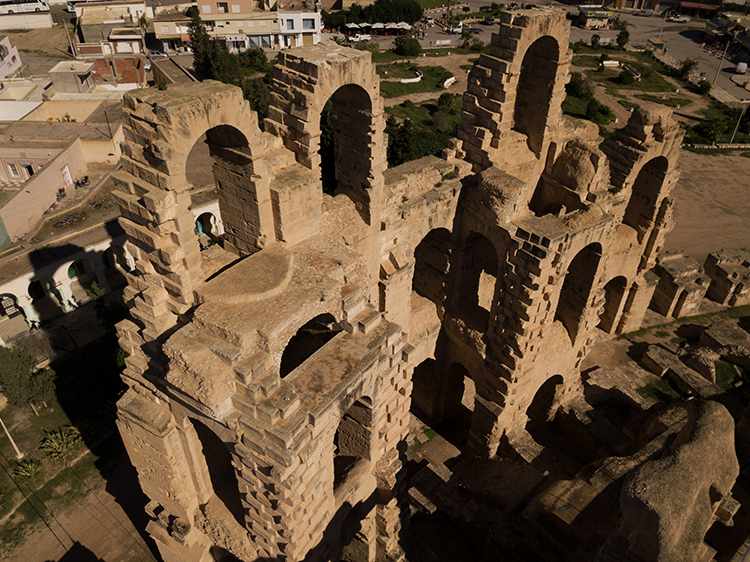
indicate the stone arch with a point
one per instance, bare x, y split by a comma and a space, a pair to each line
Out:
614, 293
431, 265
308, 339
642, 205
206, 223
82, 270
575, 293
221, 472
308, 78
46, 298
534, 90
477, 278
353, 439
542, 407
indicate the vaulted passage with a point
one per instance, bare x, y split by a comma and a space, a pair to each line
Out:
534, 92
479, 269
614, 291
641, 208
541, 408
353, 439
431, 265
576, 289
220, 470
308, 339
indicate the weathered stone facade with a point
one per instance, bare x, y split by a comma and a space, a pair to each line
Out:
268, 404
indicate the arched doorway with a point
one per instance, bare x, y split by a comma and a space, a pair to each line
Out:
576, 289
345, 146
82, 276
220, 470
353, 440
614, 291
478, 277
308, 339
543, 407
431, 265
534, 90
115, 263
46, 298
641, 209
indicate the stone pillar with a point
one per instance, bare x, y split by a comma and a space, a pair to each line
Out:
67, 296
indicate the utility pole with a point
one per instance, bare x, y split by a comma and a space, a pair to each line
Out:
721, 61
737, 126
662, 25
19, 454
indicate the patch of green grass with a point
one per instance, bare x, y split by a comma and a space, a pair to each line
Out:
586, 61
628, 104
725, 375
659, 390
650, 82
433, 79
466, 67
669, 102
397, 70
575, 106
418, 113
715, 110
387, 56
661, 334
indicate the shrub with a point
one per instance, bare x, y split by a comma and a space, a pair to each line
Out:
370, 46
447, 104
686, 67
476, 45
712, 129
59, 444
580, 86
623, 38
27, 469
595, 40
625, 77
703, 88
407, 47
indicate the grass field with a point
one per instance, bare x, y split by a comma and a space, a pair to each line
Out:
433, 79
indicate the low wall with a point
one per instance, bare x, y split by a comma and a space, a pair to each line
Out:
28, 20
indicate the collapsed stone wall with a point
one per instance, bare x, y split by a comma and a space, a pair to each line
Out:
492, 265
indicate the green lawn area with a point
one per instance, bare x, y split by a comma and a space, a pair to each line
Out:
650, 82
669, 102
432, 81
420, 114
397, 70
586, 61
628, 104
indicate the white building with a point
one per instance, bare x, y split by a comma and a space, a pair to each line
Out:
299, 28
10, 61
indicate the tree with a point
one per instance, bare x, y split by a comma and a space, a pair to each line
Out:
712, 129
623, 38
447, 103
595, 39
703, 88
625, 77
580, 86
686, 67
407, 46
17, 371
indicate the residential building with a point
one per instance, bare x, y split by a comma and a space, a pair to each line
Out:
10, 61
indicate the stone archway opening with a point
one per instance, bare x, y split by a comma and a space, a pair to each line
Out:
352, 442
431, 265
115, 263
534, 91
308, 339
46, 299
641, 209
543, 406
576, 289
220, 470
478, 277
614, 291
345, 146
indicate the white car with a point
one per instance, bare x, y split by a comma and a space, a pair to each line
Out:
157, 55
678, 19
360, 37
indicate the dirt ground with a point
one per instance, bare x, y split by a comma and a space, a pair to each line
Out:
50, 41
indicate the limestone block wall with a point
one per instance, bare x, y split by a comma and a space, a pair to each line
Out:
729, 271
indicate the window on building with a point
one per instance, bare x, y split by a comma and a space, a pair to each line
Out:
165, 29
236, 8
13, 170
263, 23
222, 7
240, 24
251, 24
206, 9
308, 23
290, 24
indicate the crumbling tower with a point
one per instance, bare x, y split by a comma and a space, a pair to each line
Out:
268, 403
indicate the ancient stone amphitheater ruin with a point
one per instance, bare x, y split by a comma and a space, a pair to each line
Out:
268, 401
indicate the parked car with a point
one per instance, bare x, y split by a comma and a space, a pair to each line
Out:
360, 37
489, 20
647, 13
429, 20
741, 68
157, 55
679, 19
